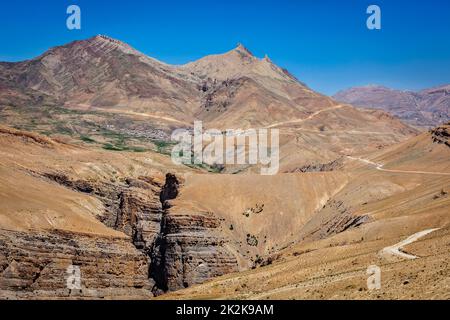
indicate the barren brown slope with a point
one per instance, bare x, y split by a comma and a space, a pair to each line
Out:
32, 197
103, 211
335, 267
64, 205
29, 203
260, 214
101, 72
429, 151
46, 227
374, 210
340, 130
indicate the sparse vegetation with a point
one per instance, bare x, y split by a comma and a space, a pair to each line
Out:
87, 126
441, 194
252, 240
163, 147
212, 169
110, 147
87, 139
254, 210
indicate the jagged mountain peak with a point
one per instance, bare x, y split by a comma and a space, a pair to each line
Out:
241, 49
101, 46
106, 38
102, 72
108, 44
236, 63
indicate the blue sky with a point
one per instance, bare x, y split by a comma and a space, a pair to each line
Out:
325, 43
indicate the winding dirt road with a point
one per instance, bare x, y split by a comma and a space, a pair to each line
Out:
395, 249
379, 167
277, 124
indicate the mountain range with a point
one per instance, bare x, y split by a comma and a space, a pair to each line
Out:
134, 94
87, 181
105, 73
423, 109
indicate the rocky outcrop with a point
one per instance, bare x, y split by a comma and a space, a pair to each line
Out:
170, 190
219, 95
441, 135
320, 167
36, 265
28, 136
334, 218
343, 222
183, 246
108, 193
189, 249
140, 213
132, 207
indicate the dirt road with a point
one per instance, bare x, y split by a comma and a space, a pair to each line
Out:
380, 168
395, 249
277, 124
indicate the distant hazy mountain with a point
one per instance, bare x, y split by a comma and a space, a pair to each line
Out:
424, 108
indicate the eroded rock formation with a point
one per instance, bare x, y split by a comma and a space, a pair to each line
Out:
35, 265
168, 247
441, 135
189, 249
320, 167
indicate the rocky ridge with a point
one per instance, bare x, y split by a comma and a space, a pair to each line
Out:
426, 108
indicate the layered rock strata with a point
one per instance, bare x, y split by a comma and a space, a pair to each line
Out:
189, 249
168, 247
39, 265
